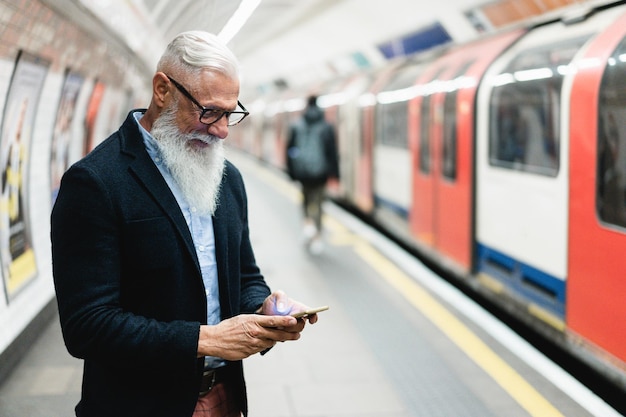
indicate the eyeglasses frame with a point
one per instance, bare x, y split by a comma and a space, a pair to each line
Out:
204, 110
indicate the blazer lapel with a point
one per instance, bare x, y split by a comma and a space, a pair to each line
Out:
220, 232
144, 170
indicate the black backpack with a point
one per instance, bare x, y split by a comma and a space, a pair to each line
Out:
307, 156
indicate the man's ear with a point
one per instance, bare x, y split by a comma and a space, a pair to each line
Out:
160, 88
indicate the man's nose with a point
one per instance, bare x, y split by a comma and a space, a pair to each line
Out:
219, 128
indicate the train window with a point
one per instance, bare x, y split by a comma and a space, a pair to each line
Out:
524, 128
392, 116
611, 154
425, 122
449, 145
392, 124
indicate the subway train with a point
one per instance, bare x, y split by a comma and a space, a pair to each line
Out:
501, 161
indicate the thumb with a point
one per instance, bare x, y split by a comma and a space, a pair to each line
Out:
281, 303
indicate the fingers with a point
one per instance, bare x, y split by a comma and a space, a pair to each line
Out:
255, 338
263, 332
276, 328
312, 318
276, 321
244, 335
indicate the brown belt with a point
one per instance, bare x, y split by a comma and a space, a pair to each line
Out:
211, 378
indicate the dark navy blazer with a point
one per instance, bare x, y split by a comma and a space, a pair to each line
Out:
128, 283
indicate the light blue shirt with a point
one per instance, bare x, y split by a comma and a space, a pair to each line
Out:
201, 228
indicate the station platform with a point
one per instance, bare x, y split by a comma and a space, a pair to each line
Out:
397, 341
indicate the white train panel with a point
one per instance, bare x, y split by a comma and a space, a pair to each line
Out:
392, 178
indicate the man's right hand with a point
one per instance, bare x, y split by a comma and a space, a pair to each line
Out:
242, 336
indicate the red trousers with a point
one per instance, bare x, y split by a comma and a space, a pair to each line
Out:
219, 402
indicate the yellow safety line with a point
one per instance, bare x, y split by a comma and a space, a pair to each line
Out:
517, 387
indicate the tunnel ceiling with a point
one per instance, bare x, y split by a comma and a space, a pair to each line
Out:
289, 40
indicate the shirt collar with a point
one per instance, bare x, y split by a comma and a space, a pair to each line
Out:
148, 139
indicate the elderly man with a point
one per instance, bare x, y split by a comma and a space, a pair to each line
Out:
156, 280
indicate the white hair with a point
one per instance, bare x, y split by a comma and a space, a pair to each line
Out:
197, 50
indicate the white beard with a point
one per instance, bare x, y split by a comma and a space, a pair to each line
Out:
198, 172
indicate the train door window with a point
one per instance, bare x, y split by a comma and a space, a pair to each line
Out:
611, 154
425, 122
392, 117
450, 105
524, 125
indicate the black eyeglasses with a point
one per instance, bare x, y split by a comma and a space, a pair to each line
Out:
210, 116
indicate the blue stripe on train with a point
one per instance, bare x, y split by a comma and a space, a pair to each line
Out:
402, 212
528, 283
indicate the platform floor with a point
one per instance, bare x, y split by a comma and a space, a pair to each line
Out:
396, 342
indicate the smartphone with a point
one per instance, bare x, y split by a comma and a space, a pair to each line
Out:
310, 311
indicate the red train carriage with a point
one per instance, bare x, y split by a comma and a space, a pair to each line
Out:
596, 289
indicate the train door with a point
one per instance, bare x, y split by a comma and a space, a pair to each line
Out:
349, 133
452, 165
522, 168
443, 126
391, 157
454, 145
596, 287
421, 125
363, 189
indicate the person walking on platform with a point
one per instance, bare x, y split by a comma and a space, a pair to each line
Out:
312, 160
156, 281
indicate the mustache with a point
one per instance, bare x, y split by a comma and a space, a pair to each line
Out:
208, 139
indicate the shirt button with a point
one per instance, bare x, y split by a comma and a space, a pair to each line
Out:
201, 248
193, 209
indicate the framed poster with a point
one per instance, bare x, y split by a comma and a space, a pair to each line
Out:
17, 257
60, 155
92, 114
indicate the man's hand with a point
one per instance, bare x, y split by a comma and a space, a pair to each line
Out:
244, 335
279, 304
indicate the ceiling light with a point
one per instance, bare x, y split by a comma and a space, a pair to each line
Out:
238, 19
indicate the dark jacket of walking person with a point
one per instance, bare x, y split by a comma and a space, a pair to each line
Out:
312, 159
